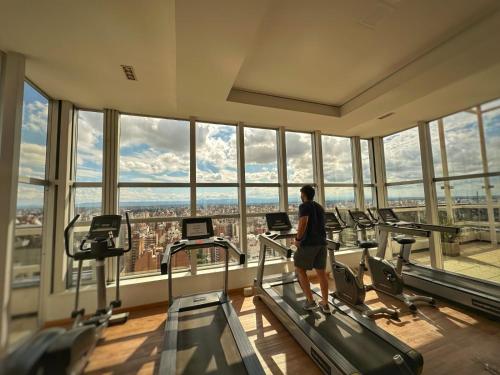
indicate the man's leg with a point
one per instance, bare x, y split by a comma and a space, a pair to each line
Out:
304, 282
323, 282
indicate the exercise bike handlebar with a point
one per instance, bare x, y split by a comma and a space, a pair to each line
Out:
343, 224
66, 235
129, 233
372, 217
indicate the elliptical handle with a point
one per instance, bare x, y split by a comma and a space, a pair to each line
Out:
66, 235
372, 217
129, 233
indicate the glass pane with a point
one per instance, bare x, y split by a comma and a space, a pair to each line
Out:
495, 195
402, 156
294, 200
411, 195
26, 259
261, 155
489, 105
436, 148
255, 226
299, 159
368, 193
491, 123
28, 235
89, 146
462, 144
215, 153
337, 159
154, 149
216, 201
227, 228
33, 134
88, 266
88, 203
149, 240
262, 199
341, 197
365, 161
155, 202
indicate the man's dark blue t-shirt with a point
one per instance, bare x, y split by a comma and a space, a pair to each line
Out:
315, 232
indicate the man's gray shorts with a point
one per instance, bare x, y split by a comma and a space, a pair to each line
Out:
309, 257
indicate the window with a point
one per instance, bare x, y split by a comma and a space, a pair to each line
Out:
153, 149
299, 159
216, 153
154, 152
30, 211
261, 155
402, 156
337, 159
31, 189
368, 189
464, 201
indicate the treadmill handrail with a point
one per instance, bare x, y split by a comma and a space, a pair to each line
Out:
268, 241
404, 230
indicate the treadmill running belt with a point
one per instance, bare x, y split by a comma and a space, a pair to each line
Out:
365, 350
205, 343
459, 281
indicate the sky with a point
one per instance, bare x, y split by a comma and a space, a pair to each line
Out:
157, 150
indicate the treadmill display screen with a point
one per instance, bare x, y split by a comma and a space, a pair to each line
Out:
278, 221
102, 225
197, 228
331, 221
388, 215
360, 217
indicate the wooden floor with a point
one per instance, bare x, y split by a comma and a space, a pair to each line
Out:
452, 340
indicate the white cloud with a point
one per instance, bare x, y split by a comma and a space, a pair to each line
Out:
337, 159
299, 157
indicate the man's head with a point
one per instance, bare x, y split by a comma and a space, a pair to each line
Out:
307, 193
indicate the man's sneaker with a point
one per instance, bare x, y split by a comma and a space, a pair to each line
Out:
325, 308
310, 305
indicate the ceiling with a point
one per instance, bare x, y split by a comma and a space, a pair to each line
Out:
329, 65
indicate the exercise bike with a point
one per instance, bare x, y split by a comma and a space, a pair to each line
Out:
98, 245
385, 277
349, 287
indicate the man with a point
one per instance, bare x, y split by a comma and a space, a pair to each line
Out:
311, 248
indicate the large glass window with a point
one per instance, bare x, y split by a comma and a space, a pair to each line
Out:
216, 153
261, 156
368, 189
299, 158
402, 156
337, 159
491, 121
153, 149
29, 231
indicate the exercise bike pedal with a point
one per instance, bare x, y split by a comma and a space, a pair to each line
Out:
116, 304
77, 313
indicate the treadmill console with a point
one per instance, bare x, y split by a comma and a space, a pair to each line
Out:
102, 225
360, 218
388, 215
278, 222
331, 222
197, 228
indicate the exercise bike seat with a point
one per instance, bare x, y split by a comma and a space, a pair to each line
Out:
403, 240
367, 244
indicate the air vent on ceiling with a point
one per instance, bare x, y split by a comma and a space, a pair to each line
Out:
386, 115
129, 72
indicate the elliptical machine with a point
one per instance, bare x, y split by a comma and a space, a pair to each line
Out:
385, 277
349, 285
101, 238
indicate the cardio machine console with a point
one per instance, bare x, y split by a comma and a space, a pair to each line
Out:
331, 222
102, 225
388, 215
197, 228
361, 218
278, 222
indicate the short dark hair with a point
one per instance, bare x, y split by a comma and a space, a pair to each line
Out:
309, 191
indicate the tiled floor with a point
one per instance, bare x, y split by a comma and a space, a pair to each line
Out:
476, 259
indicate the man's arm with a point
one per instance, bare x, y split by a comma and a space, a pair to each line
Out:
301, 230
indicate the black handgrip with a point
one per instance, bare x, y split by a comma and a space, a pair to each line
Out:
242, 258
129, 235
371, 215
66, 235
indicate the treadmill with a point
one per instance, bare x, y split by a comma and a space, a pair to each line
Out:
203, 334
342, 343
477, 294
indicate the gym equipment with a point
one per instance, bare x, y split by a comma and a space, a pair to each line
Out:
384, 275
349, 286
337, 343
203, 333
101, 238
479, 295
